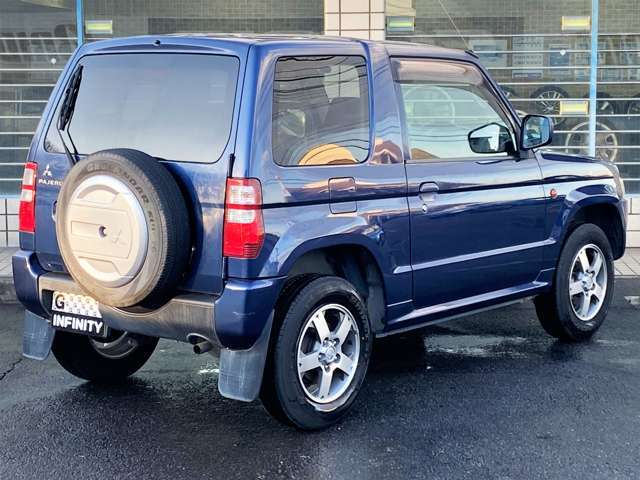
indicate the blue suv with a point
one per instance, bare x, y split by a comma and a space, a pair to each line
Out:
282, 201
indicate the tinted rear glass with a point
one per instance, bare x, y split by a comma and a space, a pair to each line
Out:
320, 111
171, 106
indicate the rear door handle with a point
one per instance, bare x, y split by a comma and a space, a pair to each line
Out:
342, 195
428, 191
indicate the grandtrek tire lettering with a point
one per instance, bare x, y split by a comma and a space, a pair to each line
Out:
143, 196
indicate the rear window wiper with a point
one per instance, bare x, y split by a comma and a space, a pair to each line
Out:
66, 113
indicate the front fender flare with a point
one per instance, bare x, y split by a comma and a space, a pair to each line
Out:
574, 202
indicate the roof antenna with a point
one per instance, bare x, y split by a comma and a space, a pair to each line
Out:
455, 26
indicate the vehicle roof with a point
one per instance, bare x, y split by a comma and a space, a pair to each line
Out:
213, 40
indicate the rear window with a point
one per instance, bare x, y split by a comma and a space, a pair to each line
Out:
171, 106
320, 111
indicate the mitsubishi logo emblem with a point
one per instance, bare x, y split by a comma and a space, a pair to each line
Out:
46, 178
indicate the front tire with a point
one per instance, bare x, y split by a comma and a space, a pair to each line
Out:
583, 288
106, 360
319, 356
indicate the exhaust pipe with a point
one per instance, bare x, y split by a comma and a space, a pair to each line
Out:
202, 347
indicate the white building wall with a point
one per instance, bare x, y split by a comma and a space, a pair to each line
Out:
355, 18
9, 221
633, 227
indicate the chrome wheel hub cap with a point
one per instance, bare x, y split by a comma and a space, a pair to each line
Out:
588, 282
327, 353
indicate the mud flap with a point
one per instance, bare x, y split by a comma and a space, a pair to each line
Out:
241, 371
37, 337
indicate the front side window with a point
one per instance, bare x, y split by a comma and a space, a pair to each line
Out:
320, 111
170, 106
446, 103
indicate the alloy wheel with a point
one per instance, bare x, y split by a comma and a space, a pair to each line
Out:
588, 282
327, 353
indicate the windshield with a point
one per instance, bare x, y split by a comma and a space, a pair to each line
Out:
171, 106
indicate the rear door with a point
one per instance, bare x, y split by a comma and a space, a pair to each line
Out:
477, 221
176, 106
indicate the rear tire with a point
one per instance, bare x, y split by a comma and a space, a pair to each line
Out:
78, 355
572, 310
340, 356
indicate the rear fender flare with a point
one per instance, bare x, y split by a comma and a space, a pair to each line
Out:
368, 243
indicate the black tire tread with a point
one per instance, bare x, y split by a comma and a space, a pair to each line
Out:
552, 309
76, 355
270, 395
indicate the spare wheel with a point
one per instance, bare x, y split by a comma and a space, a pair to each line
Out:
123, 228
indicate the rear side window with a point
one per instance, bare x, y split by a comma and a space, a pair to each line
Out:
320, 111
171, 106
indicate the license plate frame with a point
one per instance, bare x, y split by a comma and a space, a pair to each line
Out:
76, 313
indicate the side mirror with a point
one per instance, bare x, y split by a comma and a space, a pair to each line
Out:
537, 131
490, 138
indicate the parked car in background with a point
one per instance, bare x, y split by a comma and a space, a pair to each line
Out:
282, 201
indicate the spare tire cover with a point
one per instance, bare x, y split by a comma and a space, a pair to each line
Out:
123, 228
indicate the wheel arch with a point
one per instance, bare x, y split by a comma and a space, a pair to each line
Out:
353, 261
604, 212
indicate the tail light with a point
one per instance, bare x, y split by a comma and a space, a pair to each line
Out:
27, 212
243, 225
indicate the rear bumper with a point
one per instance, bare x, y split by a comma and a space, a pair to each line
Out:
238, 323
185, 317
235, 320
